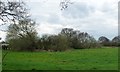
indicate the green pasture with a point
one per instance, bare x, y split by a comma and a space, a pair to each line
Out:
80, 59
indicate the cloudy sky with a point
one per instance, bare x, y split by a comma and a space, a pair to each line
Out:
97, 17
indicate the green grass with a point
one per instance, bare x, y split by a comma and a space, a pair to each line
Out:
0, 60
84, 59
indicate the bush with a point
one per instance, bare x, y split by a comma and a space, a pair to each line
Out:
54, 43
23, 44
85, 41
60, 43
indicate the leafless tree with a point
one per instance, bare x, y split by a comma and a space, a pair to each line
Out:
12, 11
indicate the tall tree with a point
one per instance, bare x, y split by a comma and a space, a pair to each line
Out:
24, 31
11, 12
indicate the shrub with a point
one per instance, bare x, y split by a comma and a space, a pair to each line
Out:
23, 44
54, 43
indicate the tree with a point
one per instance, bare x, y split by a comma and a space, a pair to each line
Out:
12, 32
116, 41
78, 39
68, 33
58, 43
12, 11
54, 43
84, 40
22, 36
104, 41
44, 41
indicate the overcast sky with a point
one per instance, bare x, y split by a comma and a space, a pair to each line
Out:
97, 17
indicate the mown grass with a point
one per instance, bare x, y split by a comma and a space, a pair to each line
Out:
84, 59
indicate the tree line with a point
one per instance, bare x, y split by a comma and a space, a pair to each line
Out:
67, 39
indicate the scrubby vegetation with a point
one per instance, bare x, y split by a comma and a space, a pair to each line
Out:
66, 39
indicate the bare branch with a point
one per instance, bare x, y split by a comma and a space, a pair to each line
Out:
64, 4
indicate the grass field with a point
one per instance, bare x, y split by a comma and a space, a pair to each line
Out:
84, 59
0, 60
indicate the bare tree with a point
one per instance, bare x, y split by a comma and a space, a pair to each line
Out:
11, 11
